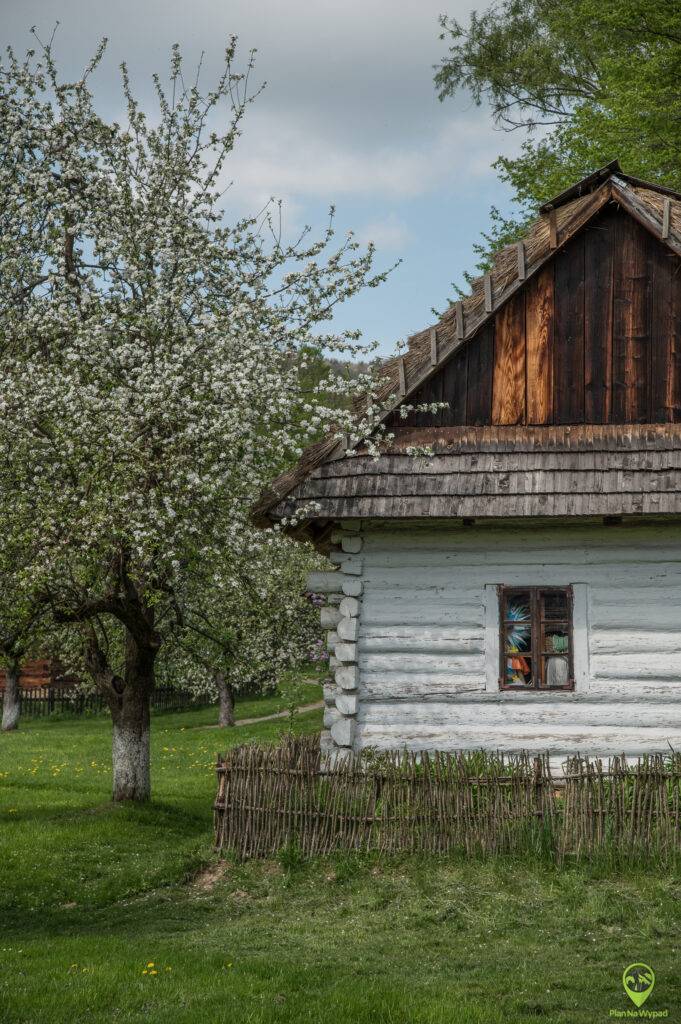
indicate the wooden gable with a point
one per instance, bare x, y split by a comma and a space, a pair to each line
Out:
594, 336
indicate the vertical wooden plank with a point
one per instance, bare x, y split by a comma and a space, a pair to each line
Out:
480, 375
402, 375
599, 241
489, 299
432, 391
553, 230
508, 389
631, 327
454, 384
433, 346
674, 369
539, 335
522, 270
429, 392
666, 217
460, 324
568, 334
661, 264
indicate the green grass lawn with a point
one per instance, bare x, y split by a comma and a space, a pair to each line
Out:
92, 894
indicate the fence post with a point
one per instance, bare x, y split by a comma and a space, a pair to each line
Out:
538, 790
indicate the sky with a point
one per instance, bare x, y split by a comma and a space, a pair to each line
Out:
349, 116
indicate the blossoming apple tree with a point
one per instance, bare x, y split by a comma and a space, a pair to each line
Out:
152, 366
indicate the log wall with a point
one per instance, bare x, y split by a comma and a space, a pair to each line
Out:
593, 337
423, 658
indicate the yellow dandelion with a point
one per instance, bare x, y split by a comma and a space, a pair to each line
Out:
145, 972
153, 972
150, 964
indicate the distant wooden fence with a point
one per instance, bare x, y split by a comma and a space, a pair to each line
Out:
270, 798
39, 701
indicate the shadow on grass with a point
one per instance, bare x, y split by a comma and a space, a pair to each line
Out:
180, 820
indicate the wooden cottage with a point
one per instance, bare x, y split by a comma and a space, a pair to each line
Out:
521, 587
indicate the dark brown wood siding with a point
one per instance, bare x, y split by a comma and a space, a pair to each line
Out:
593, 337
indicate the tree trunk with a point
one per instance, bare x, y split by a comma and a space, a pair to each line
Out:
226, 694
11, 705
130, 748
130, 712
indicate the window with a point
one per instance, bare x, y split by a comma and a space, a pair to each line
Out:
536, 638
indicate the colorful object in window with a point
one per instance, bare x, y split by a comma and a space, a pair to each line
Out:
518, 635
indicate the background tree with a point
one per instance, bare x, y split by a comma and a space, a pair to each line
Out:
24, 622
588, 81
153, 358
248, 623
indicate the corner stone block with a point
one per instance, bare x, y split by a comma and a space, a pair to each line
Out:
346, 652
348, 629
347, 703
329, 617
332, 716
326, 744
349, 607
352, 544
352, 588
347, 677
325, 582
343, 731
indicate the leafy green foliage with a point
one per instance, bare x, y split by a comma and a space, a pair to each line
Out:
587, 81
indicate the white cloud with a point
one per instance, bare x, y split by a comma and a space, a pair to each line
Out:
350, 106
279, 157
389, 233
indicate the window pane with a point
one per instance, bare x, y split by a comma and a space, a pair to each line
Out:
556, 671
518, 671
518, 606
554, 604
519, 637
556, 638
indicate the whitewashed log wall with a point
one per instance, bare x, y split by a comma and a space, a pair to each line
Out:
414, 635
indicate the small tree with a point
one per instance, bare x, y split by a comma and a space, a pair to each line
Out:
246, 625
153, 373
23, 612
21, 617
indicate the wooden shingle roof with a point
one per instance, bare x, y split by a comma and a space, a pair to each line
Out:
503, 472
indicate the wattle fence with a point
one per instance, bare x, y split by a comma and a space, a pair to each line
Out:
67, 699
292, 796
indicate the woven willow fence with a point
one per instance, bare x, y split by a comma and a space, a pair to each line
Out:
270, 798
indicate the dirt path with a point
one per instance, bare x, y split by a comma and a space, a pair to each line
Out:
268, 718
